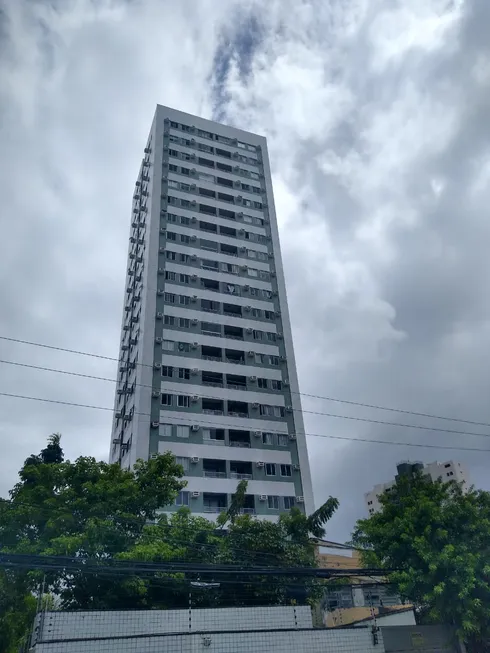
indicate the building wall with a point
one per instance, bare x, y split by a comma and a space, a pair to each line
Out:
171, 252
445, 471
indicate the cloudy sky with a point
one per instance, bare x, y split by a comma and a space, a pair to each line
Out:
377, 117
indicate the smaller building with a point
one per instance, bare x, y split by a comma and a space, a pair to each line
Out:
445, 471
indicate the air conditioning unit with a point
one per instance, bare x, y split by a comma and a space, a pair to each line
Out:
157, 366
279, 335
154, 455
163, 230
147, 150
278, 313
194, 370
255, 405
300, 499
194, 459
296, 468
193, 238
251, 353
118, 415
248, 308
194, 298
195, 320
160, 292
246, 287
195, 427
155, 393
273, 274
194, 495
253, 379
195, 397
159, 316
194, 257
292, 436
258, 434
286, 383
270, 255
195, 345
155, 425
249, 330
274, 293
263, 497
283, 359
161, 270
237, 183
158, 340
260, 464
289, 409
242, 249
194, 203
244, 267
194, 277
162, 250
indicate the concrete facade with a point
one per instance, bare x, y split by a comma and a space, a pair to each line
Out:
207, 368
445, 471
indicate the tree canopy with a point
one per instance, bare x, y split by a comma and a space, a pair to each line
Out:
437, 538
98, 511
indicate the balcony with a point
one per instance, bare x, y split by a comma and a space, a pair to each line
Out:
239, 443
239, 438
214, 502
212, 358
235, 361
247, 511
241, 477
213, 384
210, 411
215, 509
211, 474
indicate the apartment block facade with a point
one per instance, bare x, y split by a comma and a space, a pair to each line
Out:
207, 367
445, 471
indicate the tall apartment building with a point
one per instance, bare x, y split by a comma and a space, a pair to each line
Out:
207, 366
447, 471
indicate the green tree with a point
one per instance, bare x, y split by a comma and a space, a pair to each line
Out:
437, 538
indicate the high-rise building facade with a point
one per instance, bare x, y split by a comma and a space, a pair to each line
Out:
207, 366
446, 471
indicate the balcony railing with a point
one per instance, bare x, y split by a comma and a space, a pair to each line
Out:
216, 509
212, 358
211, 333
235, 361
210, 474
210, 310
209, 267
240, 476
211, 411
232, 313
236, 386
213, 384
212, 441
228, 335
236, 414
238, 443
247, 511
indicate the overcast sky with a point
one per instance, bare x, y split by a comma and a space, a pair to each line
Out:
377, 118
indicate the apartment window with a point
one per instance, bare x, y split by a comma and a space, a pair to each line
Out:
170, 276
230, 268
168, 345
272, 411
184, 323
258, 334
224, 153
174, 125
166, 430
256, 312
184, 278
225, 197
370, 503
209, 210
447, 465
185, 239
246, 202
173, 184
224, 167
182, 431
173, 168
183, 401
169, 320
269, 315
225, 213
173, 152
184, 373
184, 346
262, 383
265, 276
271, 336
184, 258
171, 235
252, 272
204, 134
273, 503
276, 385
273, 360
232, 289
259, 358
270, 469
268, 438
184, 300
169, 298
166, 399
285, 470
450, 474
182, 498
257, 205
205, 148
183, 461
224, 182
167, 371
209, 244
289, 503
171, 217
282, 440
205, 192
205, 162
170, 256
210, 327
185, 171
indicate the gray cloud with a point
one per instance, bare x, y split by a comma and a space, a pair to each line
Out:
376, 115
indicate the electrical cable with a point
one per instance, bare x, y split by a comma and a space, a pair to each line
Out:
234, 426
326, 398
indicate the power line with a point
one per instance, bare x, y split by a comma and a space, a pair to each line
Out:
190, 394
325, 398
317, 435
